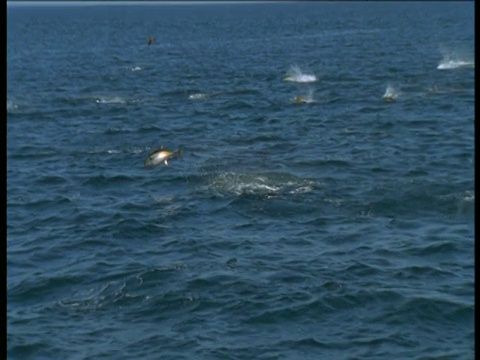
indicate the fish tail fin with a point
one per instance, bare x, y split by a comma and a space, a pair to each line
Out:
147, 162
180, 151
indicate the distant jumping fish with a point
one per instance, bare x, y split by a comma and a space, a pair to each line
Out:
162, 155
390, 94
300, 100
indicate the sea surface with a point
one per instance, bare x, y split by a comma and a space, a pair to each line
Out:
322, 206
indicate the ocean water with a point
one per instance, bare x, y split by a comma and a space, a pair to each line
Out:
322, 208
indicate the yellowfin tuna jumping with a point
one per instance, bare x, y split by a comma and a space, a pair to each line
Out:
162, 155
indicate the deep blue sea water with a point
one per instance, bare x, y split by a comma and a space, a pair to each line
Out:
331, 219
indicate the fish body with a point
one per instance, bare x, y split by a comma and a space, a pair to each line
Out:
162, 155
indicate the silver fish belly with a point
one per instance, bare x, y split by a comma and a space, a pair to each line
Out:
161, 155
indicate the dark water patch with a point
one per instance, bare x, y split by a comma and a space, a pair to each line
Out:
326, 163
439, 247
108, 180
240, 92
362, 270
34, 152
248, 138
51, 180
42, 205
361, 299
423, 310
30, 349
370, 110
415, 198
422, 272
34, 290
136, 230
239, 105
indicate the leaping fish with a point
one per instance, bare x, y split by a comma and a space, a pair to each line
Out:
162, 155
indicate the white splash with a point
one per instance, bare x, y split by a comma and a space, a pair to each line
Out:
295, 74
469, 196
454, 59
136, 68
390, 93
11, 106
197, 96
447, 64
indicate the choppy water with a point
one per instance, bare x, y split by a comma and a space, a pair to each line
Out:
322, 209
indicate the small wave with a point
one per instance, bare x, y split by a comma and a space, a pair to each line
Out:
197, 96
202, 95
136, 68
295, 74
115, 130
115, 100
108, 294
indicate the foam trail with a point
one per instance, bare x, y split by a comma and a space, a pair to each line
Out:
261, 184
114, 100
